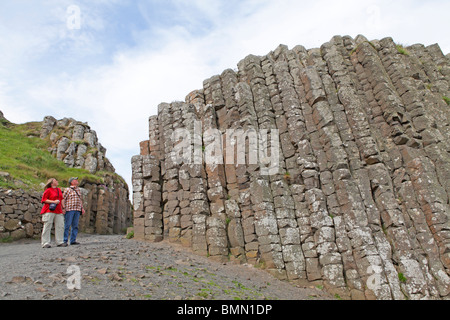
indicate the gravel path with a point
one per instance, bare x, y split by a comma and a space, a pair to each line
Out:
114, 268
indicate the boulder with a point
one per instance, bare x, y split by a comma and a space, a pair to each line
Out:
12, 225
47, 126
18, 234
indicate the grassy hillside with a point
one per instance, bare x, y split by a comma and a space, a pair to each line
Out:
26, 158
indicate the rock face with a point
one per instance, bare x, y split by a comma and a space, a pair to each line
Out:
360, 198
108, 208
76, 144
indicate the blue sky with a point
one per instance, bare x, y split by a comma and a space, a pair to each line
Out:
128, 56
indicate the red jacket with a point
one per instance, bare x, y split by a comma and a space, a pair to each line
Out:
52, 194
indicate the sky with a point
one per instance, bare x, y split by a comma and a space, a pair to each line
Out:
111, 62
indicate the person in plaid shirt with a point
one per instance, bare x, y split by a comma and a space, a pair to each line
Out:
73, 208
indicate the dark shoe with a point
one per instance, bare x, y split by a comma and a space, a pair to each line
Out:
63, 245
75, 244
47, 246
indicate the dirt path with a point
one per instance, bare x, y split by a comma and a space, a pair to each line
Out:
112, 267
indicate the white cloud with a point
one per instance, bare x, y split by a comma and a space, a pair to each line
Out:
117, 97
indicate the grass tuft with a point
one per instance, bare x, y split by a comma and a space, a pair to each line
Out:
446, 99
6, 240
401, 49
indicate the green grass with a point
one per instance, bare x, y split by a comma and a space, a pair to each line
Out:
401, 49
287, 176
447, 100
239, 285
26, 158
96, 281
207, 287
172, 269
402, 278
79, 142
203, 294
6, 240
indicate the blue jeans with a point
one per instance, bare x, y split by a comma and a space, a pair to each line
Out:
71, 221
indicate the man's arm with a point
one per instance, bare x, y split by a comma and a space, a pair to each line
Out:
81, 200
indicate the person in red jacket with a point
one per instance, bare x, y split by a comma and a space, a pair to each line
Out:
52, 197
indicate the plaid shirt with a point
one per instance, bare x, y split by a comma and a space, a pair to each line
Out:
72, 200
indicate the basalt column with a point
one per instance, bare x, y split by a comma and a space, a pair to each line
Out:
326, 166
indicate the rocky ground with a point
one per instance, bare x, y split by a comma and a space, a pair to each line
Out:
114, 268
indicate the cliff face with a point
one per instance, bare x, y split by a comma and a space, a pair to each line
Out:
360, 198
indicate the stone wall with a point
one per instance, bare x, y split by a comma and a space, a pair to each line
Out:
360, 203
20, 214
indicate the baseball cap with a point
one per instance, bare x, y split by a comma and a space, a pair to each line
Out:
72, 179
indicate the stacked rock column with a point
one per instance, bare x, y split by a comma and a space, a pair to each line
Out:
399, 134
365, 219
233, 119
198, 207
216, 233
287, 185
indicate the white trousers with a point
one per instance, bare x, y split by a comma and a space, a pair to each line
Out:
48, 220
